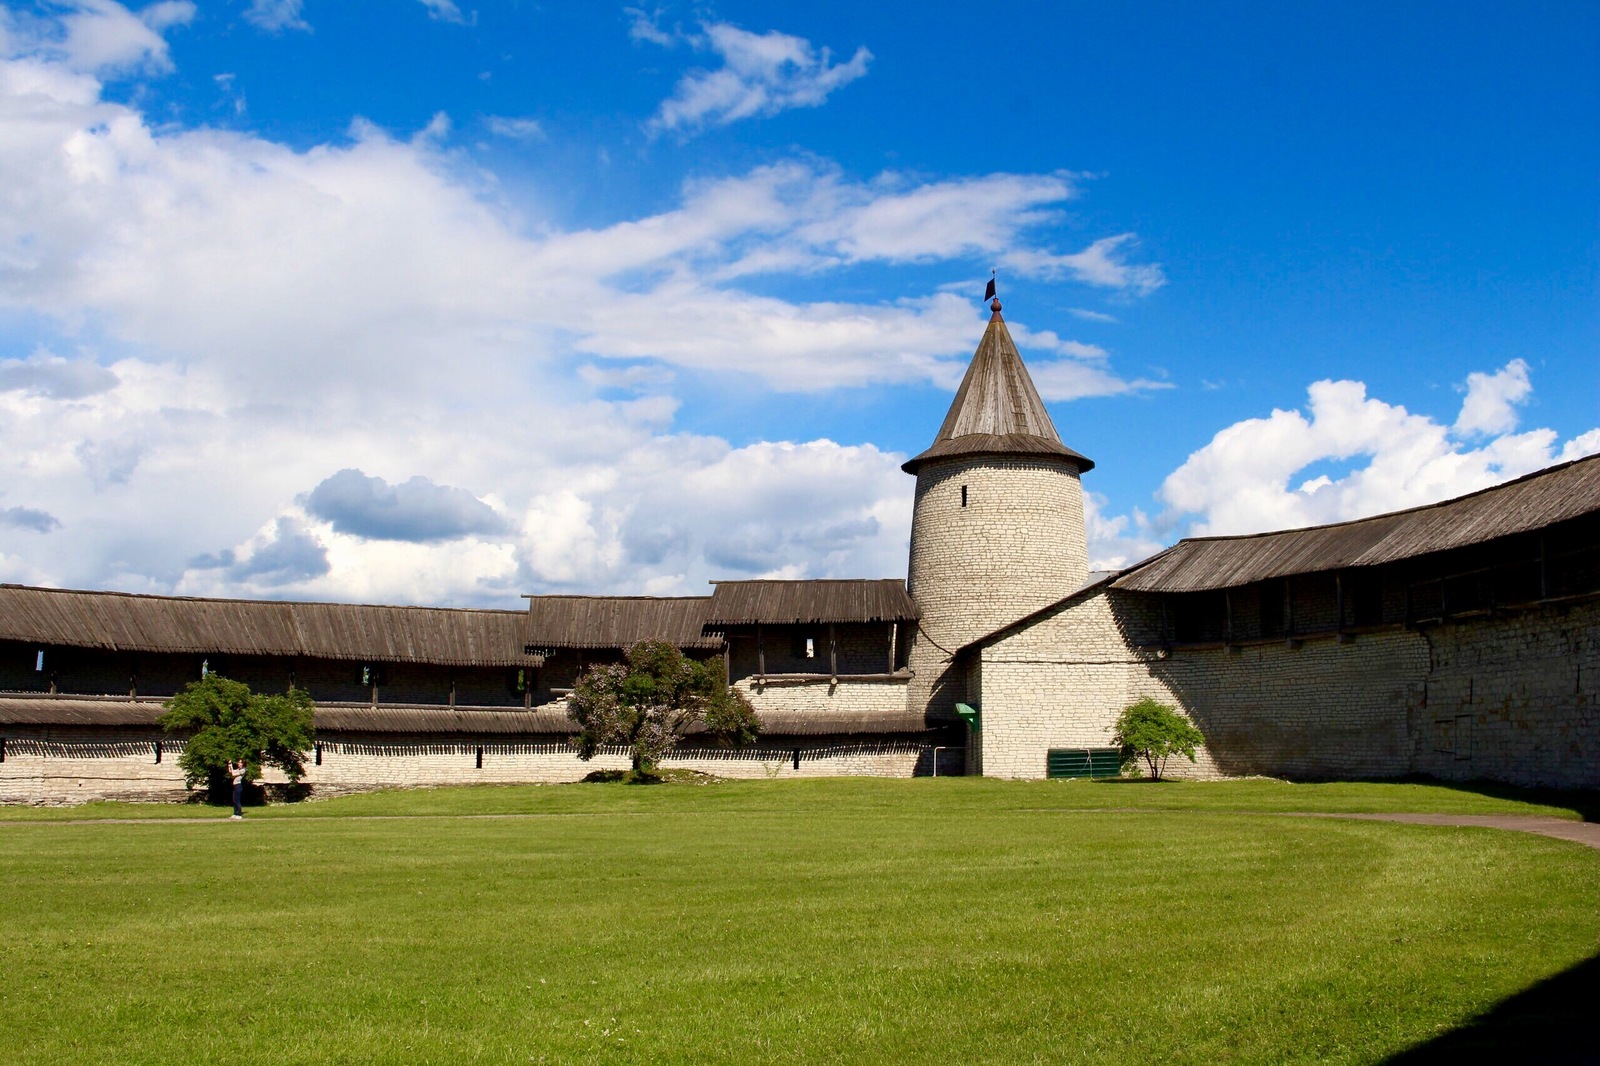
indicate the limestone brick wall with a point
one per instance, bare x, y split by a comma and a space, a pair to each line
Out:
1510, 699
45, 767
1016, 546
1060, 683
1514, 699
1321, 709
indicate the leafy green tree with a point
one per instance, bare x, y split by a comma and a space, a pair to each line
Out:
226, 721
1154, 732
651, 702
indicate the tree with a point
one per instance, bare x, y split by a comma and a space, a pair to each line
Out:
1153, 732
226, 721
651, 702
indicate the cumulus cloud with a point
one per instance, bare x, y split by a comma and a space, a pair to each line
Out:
1371, 456
30, 519
1492, 400
48, 375
286, 553
415, 510
260, 315
275, 16
99, 36
761, 75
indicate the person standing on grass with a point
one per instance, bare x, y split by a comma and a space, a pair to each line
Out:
236, 768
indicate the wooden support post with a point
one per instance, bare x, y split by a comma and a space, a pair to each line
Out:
833, 654
1227, 616
892, 627
1338, 601
453, 686
761, 654
1544, 571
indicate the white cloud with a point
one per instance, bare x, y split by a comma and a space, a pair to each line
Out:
1101, 264
275, 16
243, 319
1248, 478
645, 26
761, 75
1090, 316
447, 11
515, 129
1492, 400
1116, 541
102, 37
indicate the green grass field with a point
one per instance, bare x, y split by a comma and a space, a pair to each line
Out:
877, 921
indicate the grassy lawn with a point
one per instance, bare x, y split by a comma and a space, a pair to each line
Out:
874, 921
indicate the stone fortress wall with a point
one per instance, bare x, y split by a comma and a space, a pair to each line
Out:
1510, 699
54, 767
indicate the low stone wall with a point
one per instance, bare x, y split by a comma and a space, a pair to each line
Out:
42, 767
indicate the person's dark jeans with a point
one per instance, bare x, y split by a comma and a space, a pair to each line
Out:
238, 795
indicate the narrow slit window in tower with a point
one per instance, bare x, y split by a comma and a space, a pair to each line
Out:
963, 495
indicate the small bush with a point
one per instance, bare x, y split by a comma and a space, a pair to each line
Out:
1153, 732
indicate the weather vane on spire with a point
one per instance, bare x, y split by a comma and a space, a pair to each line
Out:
988, 294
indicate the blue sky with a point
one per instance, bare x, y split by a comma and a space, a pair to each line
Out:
436, 302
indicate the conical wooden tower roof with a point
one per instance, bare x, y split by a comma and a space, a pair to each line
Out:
997, 411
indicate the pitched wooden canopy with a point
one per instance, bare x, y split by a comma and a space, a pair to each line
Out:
997, 410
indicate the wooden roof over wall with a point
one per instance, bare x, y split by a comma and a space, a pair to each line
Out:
803, 602
618, 622
1533, 502
117, 621
79, 711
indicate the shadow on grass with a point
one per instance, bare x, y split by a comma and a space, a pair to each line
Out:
1552, 1022
648, 777
1586, 802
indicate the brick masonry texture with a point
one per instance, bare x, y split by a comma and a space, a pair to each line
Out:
1512, 699
43, 770
1016, 546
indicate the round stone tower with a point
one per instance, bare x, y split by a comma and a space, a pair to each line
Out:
997, 527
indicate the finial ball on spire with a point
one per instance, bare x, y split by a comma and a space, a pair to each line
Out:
994, 305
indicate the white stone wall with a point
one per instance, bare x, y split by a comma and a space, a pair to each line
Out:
42, 768
1016, 546
1510, 699
1060, 683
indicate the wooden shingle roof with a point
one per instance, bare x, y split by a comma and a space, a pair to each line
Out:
617, 622
1535, 501
801, 602
118, 621
997, 410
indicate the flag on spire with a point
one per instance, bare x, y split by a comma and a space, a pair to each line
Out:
988, 294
